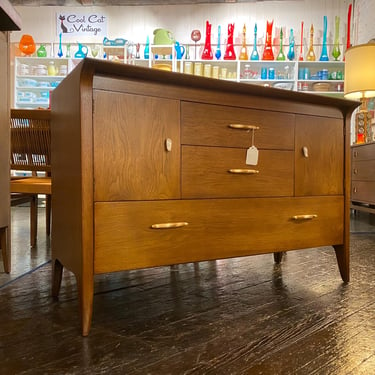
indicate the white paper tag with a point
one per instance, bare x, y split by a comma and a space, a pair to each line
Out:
252, 156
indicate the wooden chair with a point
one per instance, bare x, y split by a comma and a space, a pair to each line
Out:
31, 151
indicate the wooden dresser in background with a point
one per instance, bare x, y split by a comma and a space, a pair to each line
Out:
9, 20
150, 170
363, 177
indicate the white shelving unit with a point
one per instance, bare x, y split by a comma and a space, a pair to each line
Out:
32, 89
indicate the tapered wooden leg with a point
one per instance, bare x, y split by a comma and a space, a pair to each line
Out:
5, 249
57, 270
342, 255
86, 294
48, 215
277, 257
33, 220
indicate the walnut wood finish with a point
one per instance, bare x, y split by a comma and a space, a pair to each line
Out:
128, 189
363, 180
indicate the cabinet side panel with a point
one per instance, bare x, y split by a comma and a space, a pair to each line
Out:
68, 172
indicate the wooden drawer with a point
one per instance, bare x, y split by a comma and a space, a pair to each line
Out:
206, 173
363, 191
363, 170
208, 125
217, 228
363, 152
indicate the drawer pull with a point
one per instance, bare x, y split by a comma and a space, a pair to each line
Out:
169, 225
355, 154
355, 171
354, 190
243, 127
243, 171
304, 217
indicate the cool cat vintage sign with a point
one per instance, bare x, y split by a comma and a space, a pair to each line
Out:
81, 24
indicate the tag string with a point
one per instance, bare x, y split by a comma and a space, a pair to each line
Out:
252, 137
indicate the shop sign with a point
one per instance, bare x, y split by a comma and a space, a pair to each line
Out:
81, 24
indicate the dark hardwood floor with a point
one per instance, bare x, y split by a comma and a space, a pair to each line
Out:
237, 316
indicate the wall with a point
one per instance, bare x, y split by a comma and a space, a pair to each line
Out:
364, 14
136, 22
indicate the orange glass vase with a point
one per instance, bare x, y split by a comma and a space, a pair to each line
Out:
27, 44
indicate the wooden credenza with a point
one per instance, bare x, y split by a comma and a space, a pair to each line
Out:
150, 170
363, 177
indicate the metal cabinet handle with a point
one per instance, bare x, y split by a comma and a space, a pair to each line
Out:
169, 225
304, 217
243, 171
355, 190
355, 171
243, 127
355, 153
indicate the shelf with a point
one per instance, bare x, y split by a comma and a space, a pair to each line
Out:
287, 73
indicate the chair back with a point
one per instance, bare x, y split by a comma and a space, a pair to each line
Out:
30, 131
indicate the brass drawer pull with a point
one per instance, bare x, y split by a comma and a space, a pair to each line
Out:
169, 225
243, 171
243, 127
355, 154
355, 171
304, 217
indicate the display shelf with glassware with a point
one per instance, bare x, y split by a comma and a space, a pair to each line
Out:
35, 77
33, 81
322, 77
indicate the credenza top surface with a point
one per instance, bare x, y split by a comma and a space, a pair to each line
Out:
88, 68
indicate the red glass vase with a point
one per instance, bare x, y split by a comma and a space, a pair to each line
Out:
268, 52
230, 54
27, 44
207, 51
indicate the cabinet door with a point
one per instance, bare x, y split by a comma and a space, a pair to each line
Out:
131, 160
319, 156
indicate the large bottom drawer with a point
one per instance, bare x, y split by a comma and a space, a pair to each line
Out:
210, 229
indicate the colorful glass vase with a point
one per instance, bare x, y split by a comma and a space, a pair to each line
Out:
268, 52
348, 44
291, 53
41, 51
207, 51
218, 50
60, 52
324, 53
27, 44
336, 46
300, 57
243, 52
230, 54
195, 37
146, 52
254, 53
310, 53
280, 56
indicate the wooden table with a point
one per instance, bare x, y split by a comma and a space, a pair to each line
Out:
150, 170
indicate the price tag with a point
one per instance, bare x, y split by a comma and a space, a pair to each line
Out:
252, 156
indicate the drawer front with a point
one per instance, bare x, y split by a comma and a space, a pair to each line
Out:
363, 192
213, 172
208, 125
363, 152
216, 228
363, 170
